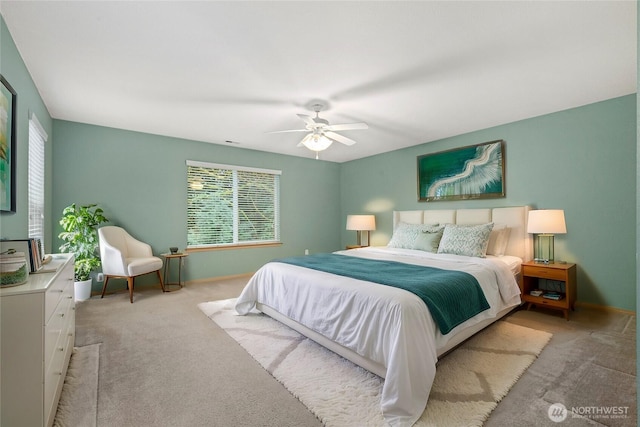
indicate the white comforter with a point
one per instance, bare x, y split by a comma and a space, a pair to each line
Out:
388, 325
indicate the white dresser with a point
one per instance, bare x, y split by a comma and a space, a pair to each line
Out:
37, 322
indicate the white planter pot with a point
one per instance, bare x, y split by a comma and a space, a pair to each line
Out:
82, 290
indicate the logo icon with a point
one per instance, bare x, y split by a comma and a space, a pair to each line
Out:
557, 412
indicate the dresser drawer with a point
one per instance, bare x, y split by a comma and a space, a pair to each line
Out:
54, 293
58, 326
545, 273
54, 377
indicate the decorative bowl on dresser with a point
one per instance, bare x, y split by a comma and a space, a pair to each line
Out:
37, 321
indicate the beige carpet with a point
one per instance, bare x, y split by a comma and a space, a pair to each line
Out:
78, 403
469, 382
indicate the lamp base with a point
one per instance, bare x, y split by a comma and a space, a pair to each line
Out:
544, 249
359, 238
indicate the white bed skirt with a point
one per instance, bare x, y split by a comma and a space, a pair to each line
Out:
364, 362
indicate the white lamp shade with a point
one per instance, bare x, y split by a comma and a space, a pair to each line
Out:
316, 142
361, 222
546, 221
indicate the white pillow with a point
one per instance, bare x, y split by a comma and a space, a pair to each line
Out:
468, 240
405, 235
498, 240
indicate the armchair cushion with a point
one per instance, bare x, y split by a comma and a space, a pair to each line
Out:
138, 266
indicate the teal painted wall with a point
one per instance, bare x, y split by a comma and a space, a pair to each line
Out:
16, 225
581, 160
140, 181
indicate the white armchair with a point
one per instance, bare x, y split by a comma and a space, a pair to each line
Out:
125, 257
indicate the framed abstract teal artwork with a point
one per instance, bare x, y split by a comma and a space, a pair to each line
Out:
473, 172
7, 147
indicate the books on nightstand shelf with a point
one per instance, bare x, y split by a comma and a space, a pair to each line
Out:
552, 295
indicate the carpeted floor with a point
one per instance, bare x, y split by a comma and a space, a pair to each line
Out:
468, 384
163, 363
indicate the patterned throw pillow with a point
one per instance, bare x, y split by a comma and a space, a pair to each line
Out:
468, 240
405, 235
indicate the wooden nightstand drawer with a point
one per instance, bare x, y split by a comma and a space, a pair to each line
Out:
562, 303
545, 272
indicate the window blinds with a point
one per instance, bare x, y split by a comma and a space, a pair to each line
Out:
37, 139
231, 205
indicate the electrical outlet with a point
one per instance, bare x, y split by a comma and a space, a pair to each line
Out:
100, 277
306, 251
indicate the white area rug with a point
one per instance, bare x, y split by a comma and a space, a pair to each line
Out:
78, 405
469, 382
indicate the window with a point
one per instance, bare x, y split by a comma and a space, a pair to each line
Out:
231, 205
37, 138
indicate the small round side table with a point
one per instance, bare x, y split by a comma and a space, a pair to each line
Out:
167, 269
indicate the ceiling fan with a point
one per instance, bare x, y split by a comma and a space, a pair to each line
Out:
321, 134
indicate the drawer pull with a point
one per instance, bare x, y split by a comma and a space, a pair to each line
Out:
59, 373
60, 348
60, 290
61, 314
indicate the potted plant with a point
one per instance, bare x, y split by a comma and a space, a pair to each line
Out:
81, 238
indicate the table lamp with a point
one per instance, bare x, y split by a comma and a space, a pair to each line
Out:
361, 223
544, 223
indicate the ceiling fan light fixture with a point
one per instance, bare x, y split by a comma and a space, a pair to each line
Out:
316, 142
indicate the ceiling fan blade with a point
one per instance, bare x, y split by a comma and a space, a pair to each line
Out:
290, 130
307, 119
342, 139
348, 126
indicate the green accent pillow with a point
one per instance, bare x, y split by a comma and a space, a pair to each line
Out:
405, 235
429, 241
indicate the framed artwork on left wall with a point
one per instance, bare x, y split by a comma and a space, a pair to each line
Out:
8, 99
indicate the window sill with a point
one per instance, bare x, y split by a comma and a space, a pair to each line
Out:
238, 246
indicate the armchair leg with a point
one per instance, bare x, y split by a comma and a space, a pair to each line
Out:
130, 286
104, 286
160, 278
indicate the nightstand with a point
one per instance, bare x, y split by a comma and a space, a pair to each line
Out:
532, 272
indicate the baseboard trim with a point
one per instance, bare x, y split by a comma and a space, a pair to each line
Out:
589, 305
118, 290
218, 278
604, 308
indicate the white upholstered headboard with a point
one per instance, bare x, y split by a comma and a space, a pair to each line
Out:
520, 243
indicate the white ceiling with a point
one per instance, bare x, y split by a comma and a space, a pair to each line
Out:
232, 71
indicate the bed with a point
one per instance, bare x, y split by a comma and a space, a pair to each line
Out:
388, 330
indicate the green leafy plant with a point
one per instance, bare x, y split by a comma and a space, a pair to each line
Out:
81, 237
